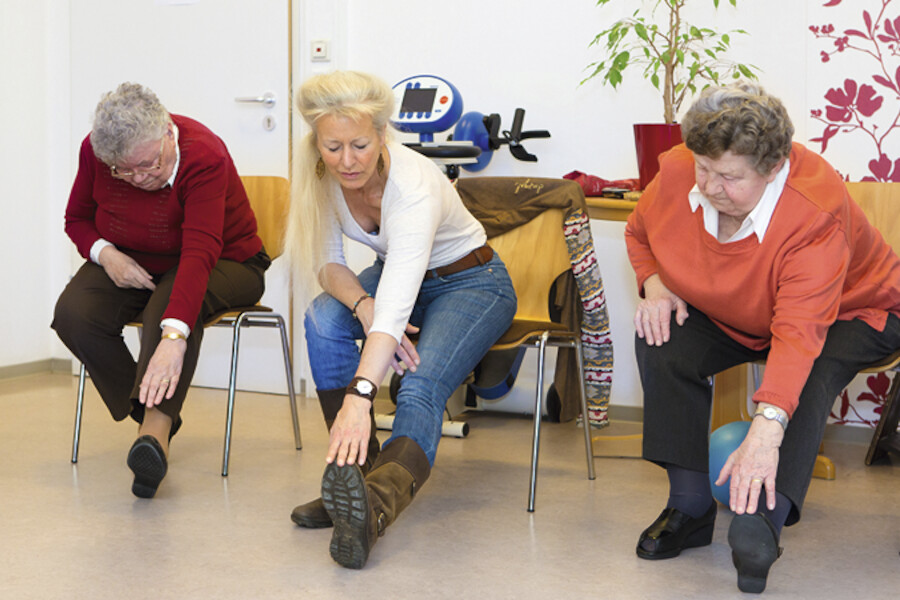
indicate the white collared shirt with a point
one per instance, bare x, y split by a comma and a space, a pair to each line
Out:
757, 221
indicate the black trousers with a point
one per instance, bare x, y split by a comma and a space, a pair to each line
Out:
92, 311
678, 396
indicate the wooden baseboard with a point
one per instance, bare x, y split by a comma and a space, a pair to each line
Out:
52, 365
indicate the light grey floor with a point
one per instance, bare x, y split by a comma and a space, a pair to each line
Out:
77, 532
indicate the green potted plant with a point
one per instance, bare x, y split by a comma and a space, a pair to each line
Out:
676, 56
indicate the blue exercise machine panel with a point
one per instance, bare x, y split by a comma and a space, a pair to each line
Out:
426, 104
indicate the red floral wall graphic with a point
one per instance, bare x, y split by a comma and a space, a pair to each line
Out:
866, 104
856, 70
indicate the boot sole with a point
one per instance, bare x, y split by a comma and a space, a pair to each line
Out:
754, 549
345, 498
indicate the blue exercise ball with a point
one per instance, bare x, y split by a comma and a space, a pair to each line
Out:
722, 443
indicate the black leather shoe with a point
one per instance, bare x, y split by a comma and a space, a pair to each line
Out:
674, 531
148, 462
754, 547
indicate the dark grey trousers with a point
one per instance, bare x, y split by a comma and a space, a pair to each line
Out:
92, 311
678, 396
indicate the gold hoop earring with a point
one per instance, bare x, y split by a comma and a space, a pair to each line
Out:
320, 168
380, 164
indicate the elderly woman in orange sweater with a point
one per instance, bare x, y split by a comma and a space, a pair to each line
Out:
748, 246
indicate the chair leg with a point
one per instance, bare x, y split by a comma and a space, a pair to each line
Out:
232, 385
886, 438
538, 408
79, 405
585, 420
289, 374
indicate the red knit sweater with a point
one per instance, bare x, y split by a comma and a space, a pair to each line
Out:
202, 217
819, 260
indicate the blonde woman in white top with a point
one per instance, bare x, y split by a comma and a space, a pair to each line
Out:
434, 276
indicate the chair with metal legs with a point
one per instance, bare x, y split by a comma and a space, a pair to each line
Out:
269, 197
535, 255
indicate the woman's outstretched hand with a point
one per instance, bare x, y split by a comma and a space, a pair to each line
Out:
349, 439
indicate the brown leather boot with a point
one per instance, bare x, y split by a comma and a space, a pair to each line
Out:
362, 506
313, 515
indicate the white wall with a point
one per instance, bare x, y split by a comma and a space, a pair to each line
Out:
501, 54
504, 54
35, 169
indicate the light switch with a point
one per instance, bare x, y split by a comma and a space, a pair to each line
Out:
320, 51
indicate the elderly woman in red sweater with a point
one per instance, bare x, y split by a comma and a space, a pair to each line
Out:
748, 246
159, 213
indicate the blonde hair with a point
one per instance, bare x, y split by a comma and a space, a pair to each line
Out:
348, 94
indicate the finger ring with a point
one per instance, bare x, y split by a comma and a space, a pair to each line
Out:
756, 480
166, 381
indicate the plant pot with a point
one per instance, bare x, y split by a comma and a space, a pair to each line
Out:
651, 140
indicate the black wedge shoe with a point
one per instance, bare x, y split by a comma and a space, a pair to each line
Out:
148, 462
754, 547
674, 531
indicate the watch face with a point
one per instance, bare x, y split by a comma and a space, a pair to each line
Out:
770, 413
364, 387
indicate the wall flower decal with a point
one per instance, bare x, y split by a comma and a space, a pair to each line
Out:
866, 105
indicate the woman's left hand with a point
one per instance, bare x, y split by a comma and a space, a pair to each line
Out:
753, 466
163, 371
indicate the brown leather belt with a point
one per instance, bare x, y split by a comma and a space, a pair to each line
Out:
476, 257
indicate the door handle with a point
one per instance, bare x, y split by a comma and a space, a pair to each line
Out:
267, 99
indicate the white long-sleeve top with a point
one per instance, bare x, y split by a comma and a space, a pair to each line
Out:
424, 225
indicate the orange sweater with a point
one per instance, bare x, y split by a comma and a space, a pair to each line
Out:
820, 260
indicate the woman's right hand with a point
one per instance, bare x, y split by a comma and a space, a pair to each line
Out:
124, 270
349, 438
654, 312
406, 350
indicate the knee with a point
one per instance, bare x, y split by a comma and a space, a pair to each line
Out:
70, 319
325, 318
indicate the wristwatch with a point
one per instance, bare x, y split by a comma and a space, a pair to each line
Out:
362, 387
773, 414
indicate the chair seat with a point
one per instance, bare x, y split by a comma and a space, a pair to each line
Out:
522, 329
889, 362
227, 314
232, 313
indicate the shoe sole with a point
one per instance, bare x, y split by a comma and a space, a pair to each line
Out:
345, 499
753, 551
701, 537
148, 468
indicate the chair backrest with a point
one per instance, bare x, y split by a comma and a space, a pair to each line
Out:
881, 203
535, 254
270, 198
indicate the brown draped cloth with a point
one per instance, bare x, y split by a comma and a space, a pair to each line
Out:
504, 203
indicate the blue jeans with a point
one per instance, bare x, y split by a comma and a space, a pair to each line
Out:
460, 316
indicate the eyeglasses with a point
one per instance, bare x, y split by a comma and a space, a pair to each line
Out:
120, 174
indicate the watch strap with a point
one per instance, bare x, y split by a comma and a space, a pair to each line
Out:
772, 414
358, 387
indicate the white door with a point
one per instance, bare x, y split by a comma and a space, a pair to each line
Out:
198, 56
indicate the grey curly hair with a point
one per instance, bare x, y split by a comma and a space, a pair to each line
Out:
126, 118
741, 118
